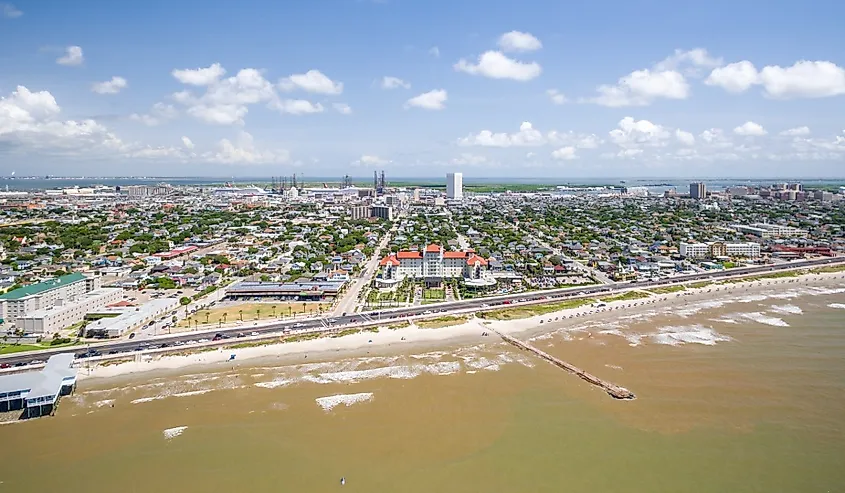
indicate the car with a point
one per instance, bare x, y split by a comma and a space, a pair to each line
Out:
253, 333
205, 340
240, 334
354, 320
132, 335
5, 365
298, 324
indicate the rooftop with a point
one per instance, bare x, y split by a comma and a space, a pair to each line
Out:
46, 382
41, 287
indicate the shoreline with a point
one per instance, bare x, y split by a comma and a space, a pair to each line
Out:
413, 338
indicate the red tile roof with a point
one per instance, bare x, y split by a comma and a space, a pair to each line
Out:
477, 258
409, 255
389, 260
455, 254
432, 248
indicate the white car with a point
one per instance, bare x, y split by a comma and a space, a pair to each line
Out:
253, 333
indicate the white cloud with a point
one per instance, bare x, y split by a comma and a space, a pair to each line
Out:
641, 88
519, 41
735, 77
199, 76
556, 96
638, 133
496, 65
243, 151
431, 100
297, 107
188, 143
9, 11
689, 60
467, 159
527, 136
434, 51
73, 56
804, 79
159, 113
225, 101
629, 153
311, 81
389, 82
112, 86
750, 129
342, 108
796, 132
564, 153
369, 160
685, 138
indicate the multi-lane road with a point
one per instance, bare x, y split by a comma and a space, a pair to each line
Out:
325, 324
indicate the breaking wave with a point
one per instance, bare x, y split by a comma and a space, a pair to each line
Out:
330, 402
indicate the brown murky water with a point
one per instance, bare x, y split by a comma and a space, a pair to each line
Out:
740, 397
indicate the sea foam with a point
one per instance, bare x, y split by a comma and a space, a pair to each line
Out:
173, 432
330, 402
787, 309
764, 319
688, 334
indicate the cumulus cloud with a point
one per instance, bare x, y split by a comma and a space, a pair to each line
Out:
431, 100
188, 143
243, 151
685, 138
641, 88
467, 159
803, 79
389, 82
526, 136
158, 114
342, 108
111, 86
434, 51
519, 42
689, 61
73, 56
369, 160
199, 76
297, 107
631, 133
9, 11
564, 154
497, 65
312, 81
750, 129
796, 132
556, 96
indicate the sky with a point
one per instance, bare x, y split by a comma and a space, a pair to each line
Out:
419, 88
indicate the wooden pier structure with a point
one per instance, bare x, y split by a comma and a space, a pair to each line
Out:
613, 390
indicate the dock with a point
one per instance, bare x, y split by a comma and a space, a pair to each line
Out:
612, 389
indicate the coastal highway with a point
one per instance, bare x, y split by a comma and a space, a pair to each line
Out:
439, 309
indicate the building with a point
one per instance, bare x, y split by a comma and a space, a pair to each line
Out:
46, 294
115, 322
766, 230
35, 393
357, 212
288, 291
454, 186
719, 249
635, 191
67, 312
698, 190
433, 265
382, 212
137, 191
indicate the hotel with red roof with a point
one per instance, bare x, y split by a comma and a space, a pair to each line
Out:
433, 265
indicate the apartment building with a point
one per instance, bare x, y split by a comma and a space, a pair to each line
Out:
766, 230
719, 249
25, 300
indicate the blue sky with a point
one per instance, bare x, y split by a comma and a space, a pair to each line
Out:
490, 88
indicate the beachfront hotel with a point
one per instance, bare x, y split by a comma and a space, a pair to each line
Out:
434, 265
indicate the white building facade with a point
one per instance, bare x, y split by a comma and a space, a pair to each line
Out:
455, 186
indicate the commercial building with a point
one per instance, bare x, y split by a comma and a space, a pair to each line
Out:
719, 249
66, 312
138, 191
698, 190
766, 230
35, 393
287, 291
23, 301
454, 186
635, 191
117, 322
433, 265
382, 212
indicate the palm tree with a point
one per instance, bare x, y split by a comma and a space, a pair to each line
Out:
258, 313
274, 311
241, 315
224, 317
207, 313
304, 307
290, 311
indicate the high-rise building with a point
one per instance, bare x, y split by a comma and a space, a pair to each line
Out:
454, 186
698, 190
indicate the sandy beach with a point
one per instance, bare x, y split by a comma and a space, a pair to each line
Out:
414, 338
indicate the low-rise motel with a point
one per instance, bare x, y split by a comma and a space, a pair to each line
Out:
36, 393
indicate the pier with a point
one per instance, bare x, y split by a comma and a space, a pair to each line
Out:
612, 389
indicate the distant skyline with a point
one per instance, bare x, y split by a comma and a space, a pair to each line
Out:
492, 89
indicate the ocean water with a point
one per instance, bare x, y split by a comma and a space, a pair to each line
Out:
740, 395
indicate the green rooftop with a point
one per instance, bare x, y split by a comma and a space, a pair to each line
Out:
42, 286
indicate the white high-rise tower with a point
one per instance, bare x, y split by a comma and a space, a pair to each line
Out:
455, 186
